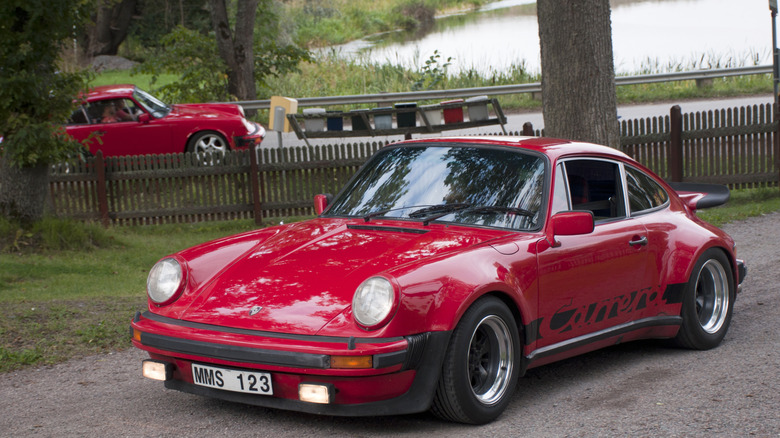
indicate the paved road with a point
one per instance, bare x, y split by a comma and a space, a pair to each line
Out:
516, 120
638, 389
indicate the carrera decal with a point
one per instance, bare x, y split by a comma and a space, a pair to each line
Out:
674, 293
569, 318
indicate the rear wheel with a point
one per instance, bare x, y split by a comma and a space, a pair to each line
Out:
209, 147
479, 373
708, 301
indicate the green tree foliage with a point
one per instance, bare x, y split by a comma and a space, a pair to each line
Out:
192, 54
35, 96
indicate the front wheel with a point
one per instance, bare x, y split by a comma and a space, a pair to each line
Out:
480, 372
209, 147
708, 302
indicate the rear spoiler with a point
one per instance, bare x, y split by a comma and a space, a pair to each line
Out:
697, 196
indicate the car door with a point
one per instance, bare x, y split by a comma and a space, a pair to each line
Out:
590, 283
142, 135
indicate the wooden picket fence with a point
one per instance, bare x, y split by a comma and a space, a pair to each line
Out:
737, 147
180, 188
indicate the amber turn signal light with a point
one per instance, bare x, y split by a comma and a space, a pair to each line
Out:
351, 362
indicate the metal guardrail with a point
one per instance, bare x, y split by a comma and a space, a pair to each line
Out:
535, 87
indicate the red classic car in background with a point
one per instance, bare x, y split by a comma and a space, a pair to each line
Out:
130, 121
442, 272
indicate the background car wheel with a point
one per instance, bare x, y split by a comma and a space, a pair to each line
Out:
708, 301
480, 372
209, 146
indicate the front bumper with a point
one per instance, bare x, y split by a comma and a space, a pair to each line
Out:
251, 139
402, 380
741, 270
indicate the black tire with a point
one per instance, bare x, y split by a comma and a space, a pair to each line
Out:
209, 146
708, 301
480, 368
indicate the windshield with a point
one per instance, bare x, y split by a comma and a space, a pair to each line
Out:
153, 105
447, 183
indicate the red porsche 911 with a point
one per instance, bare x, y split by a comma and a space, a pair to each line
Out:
442, 271
129, 121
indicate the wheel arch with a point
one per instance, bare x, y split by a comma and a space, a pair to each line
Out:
730, 256
518, 310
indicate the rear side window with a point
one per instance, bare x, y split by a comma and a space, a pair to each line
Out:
644, 194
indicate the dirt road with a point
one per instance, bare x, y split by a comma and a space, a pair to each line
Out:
637, 389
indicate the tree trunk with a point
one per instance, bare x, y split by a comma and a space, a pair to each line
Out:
236, 49
110, 28
579, 100
24, 192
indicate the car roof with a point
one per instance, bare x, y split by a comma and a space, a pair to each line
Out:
110, 91
554, 148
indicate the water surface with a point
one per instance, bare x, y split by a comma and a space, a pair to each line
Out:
659, 35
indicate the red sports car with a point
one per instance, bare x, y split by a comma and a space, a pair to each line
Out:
440, 273
130, 121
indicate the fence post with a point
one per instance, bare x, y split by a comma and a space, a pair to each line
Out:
254, 177
675, 158
776, 140
102, 192
528, 129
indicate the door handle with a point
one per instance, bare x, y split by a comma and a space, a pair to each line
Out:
642, 241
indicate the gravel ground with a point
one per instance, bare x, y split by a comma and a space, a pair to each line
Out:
637, 389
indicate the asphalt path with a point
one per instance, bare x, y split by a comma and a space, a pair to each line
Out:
515, 120
638, 389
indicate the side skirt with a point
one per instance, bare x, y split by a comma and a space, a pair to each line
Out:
584, 340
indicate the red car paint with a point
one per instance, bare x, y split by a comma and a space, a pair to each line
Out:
571, 290
147, 131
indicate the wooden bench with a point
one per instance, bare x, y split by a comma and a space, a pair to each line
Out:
401, 114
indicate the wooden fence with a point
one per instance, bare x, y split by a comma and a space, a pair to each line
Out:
737, 147
180, 188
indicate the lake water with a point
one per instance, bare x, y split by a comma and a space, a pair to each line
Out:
658, 35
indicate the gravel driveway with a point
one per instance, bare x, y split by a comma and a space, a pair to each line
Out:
637, 389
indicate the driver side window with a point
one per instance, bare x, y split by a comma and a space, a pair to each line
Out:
594, 185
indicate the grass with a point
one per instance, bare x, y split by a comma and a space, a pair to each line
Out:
742, 205
64, 303
143, 81
329, 22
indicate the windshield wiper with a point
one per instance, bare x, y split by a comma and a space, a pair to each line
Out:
374, 214
434, 212
437, 209
492, 209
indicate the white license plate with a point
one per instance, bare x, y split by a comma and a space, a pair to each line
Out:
232, 380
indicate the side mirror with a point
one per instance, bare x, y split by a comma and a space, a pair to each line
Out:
321, 202
572, 223
144, 118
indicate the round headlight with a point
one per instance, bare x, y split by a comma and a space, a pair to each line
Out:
373, 301
165, 281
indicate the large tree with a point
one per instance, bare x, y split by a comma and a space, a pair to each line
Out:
231, 61
36, 97
110, 24
236, 47
578, 75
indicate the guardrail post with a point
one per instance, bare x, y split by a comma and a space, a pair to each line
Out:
254, 178
102, 192
675, 157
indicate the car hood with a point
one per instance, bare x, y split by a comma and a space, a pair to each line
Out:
304, 276
205, 110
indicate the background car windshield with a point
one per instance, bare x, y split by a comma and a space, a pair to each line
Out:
153, 105
463, 184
